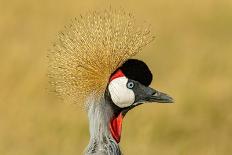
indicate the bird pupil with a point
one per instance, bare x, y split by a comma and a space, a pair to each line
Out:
130, 85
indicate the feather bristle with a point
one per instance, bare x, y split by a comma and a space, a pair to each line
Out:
90, 49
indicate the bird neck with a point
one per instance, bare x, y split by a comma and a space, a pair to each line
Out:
101, 140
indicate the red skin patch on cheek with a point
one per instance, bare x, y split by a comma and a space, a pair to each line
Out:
118, 74
115, 126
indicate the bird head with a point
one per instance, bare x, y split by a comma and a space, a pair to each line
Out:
129, 87
90, 63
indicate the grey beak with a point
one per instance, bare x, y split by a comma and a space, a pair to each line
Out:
147, 95
159, 97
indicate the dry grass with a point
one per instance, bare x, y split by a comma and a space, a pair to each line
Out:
191, 59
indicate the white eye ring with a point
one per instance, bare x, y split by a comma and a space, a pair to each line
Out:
130, 85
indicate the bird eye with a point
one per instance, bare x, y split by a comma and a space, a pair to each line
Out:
130, 85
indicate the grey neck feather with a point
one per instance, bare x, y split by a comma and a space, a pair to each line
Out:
101, 141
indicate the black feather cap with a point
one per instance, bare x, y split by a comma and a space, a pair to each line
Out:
137, 70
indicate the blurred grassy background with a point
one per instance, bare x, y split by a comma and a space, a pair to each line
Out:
191, 60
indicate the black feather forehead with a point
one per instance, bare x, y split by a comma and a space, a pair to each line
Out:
137, 70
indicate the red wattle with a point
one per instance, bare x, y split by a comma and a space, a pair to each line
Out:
116, 127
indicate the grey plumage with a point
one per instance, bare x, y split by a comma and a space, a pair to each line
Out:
101, 142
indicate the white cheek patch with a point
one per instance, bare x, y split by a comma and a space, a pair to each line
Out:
120, 94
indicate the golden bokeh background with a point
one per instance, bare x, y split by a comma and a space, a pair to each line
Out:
191, 59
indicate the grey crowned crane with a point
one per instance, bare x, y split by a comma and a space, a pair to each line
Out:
91, 63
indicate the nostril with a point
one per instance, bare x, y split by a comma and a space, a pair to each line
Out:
156, 93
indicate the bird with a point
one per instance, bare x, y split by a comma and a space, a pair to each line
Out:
91, 64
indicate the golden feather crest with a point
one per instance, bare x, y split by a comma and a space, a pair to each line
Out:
90, 49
